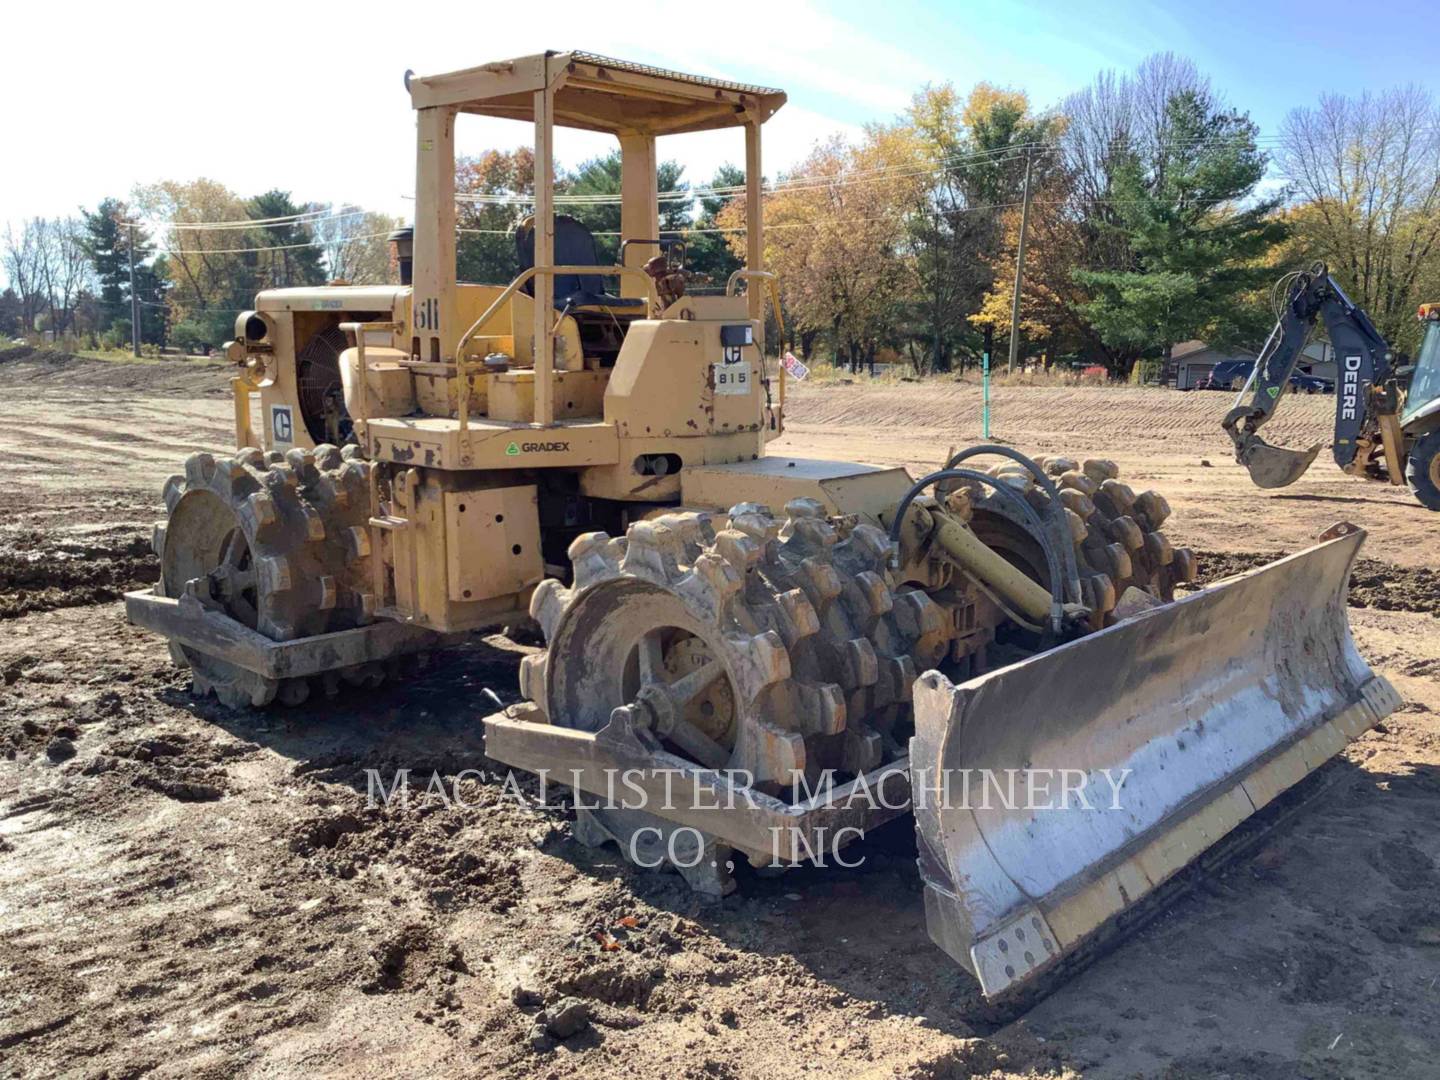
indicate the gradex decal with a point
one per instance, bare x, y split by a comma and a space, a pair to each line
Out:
515, 449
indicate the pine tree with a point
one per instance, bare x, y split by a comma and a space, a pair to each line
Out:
709, 253
601, 176
107, 243
295, 257
1195, 253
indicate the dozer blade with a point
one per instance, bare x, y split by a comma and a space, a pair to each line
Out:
1274, 466
1202, 711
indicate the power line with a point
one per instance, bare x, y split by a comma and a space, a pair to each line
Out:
304, 217
274, 247
797, 183
812, 182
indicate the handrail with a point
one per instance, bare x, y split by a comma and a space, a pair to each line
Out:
463, 391
772, 280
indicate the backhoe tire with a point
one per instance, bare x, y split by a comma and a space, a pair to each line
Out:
1422, 470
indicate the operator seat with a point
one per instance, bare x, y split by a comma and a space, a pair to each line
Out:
574, 246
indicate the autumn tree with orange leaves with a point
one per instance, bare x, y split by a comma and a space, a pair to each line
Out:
836, 233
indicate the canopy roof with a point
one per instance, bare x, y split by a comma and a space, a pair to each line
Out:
598, 93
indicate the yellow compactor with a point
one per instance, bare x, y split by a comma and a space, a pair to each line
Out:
779, 651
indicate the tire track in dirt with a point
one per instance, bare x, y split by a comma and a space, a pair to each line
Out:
39, 573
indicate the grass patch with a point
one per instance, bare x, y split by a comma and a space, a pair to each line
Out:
125, 356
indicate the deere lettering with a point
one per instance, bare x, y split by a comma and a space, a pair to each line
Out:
1350, 389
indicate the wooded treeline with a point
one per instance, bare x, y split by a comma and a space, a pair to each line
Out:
1158, 213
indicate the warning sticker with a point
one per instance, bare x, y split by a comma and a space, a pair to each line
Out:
257, 418
794, 366
731, 378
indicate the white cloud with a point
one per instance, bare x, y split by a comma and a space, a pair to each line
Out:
281, 94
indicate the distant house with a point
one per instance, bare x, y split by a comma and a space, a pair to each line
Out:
1192, 361
1319, 360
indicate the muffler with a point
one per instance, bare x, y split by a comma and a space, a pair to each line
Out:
1056, 794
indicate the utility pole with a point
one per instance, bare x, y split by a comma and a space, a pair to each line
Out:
134, 299
1020, 265
985, 382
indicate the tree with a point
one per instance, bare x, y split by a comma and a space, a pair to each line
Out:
65, 268
1052, 301
151, 285
354, 245
1366, 172
708, 253
600, 177
10, 312
107, 246
494, 192
293, 257
1114, 120
212, 273
485, 246
978, 152
23, 260
1197, 255
836, 232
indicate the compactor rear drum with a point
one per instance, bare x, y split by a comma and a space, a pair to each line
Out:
277, 542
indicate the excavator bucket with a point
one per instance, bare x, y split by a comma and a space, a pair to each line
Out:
1052, 797
1274, 466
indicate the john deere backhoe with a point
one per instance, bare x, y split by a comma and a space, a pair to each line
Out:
729, 629
1387, 416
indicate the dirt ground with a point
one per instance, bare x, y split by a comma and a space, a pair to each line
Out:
188, 891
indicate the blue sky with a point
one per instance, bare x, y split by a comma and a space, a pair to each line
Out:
201, 91
1266, 58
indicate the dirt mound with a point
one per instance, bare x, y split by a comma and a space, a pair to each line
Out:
409, 958
40, 573
29, 366
1373, 583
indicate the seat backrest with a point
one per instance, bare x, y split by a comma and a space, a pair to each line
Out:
574, 246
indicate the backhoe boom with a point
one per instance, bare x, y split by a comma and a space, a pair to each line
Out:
1366, 397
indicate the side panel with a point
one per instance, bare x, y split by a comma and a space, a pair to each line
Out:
492, 542
678, 390
437, 553
868, 491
